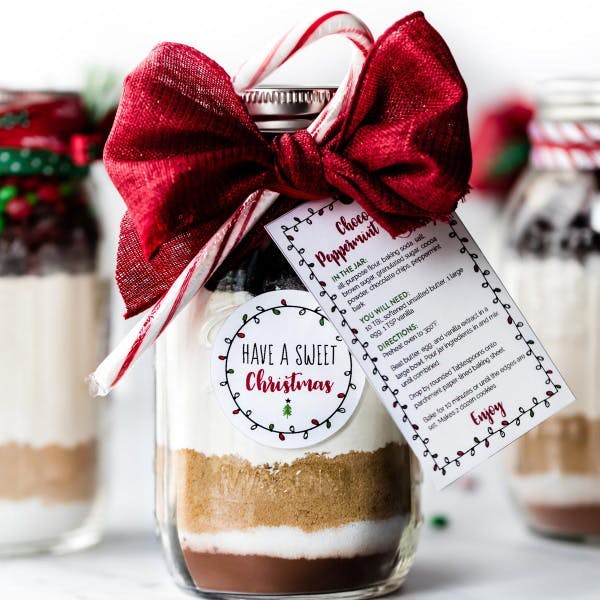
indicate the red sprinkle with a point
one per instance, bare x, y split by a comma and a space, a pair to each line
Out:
49, 193
29, 184
18, 208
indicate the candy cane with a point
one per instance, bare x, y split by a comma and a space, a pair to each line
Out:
208, 259
564, 145
264, 63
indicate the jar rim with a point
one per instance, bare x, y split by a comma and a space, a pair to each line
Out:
12, 97
569, 99
286, 108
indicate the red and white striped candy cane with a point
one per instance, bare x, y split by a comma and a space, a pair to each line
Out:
208, 259
564, 145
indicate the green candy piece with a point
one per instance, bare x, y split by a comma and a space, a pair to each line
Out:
32, 198
7, 193
66, 188
438, 521
1, 223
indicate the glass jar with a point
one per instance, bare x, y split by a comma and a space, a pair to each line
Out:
240, 514
51, 324
552, 268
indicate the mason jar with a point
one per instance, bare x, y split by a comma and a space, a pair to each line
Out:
51, 326
279, 472
552, 267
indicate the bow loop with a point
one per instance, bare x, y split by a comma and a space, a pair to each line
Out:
185, 153
299, 166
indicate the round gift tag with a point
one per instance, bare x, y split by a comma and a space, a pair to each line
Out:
282, 374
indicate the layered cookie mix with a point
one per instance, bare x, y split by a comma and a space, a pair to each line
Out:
257, 519
50, 327
555, 468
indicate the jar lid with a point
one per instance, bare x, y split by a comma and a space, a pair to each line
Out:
569, 100
46, 133
10, 98
281, 109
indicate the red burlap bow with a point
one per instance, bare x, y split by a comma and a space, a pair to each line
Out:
184, 152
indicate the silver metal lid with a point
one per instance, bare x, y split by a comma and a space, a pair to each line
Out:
281, 109
9, 97
569, 100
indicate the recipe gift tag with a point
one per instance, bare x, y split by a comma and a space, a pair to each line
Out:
444, 345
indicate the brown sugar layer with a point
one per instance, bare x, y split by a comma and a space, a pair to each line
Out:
270, 575
54, 473
563, 444
220, 493
575, 520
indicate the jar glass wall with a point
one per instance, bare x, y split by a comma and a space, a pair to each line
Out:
52, 321
240, 518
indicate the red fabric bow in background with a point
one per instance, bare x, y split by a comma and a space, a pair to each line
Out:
184, 152
56, 122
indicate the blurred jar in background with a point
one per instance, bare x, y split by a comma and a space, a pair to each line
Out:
51, 322
552, 268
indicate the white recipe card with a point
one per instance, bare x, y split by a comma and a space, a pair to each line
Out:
447, 350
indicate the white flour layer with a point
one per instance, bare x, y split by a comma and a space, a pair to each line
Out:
561, 301
195, 419
31, 520
49, 327
354, 539
557, 489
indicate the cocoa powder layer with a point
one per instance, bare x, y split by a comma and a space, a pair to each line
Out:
575, 520
219, 493
563, 444
254, 574
54, 473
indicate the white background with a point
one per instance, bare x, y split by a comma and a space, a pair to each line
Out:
501, 48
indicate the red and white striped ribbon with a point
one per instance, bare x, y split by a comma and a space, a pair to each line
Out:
208, 259
564, 145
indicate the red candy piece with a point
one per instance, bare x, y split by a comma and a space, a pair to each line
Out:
49, 193
18, 208
29, 184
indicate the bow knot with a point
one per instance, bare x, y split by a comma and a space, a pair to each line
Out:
299, 166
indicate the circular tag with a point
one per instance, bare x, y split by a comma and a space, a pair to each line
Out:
282, 374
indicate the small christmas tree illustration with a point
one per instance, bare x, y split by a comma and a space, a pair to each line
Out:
287, 409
